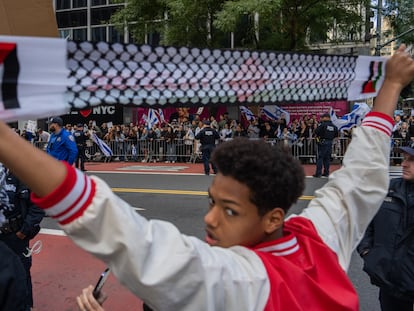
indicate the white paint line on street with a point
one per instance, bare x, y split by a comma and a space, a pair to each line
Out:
145, 173
138, 208
53, 232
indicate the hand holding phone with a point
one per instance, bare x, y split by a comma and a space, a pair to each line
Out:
101, 282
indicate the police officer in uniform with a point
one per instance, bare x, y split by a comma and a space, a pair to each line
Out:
21, 224
207, 137
13, 287
80, 139
325, 134
61, 143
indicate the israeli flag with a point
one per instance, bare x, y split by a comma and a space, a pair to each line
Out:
161, 114
349, 120
275, 113
106, 150
247, 112
200, 111
152, 118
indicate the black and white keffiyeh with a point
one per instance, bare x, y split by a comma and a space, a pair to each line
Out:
4, 199
55, 75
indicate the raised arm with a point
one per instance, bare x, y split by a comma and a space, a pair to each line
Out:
343, 208
399, 72
41, 172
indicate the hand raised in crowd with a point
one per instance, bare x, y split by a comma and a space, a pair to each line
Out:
399, 72
86, 301
400, 68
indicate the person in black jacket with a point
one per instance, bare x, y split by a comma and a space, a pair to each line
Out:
14, 293
21, 223
325, 134
80, 138
207, 137
387, 247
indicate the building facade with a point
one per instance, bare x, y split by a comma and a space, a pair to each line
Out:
88, 20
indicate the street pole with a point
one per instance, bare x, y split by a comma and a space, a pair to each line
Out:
379, 28
380, 46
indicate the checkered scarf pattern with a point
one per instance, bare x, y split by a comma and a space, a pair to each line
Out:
114, 73
4, 198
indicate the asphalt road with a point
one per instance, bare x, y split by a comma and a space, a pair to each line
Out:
182, 200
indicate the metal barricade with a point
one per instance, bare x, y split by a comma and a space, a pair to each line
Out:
181, 150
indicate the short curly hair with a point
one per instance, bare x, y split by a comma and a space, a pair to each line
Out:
275, 178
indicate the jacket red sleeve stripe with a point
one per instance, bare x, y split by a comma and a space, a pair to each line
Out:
380, 121
70, 199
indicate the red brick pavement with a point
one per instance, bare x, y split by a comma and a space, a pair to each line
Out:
61, 270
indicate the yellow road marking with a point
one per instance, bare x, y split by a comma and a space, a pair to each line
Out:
182, 192
306, 197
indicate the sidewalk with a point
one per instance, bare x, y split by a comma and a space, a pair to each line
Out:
61, 270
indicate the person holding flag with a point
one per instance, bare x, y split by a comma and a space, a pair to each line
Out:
152, 119
103, 146
80, 138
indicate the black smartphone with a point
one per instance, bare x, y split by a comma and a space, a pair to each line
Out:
101, 282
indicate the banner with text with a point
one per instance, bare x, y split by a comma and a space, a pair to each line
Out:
317, 108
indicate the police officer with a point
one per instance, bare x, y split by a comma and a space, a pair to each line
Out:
207, 137
387, 245
325, 134
61, 143
13, 287
22, 223
80, 138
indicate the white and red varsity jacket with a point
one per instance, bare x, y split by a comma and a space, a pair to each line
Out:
304, 270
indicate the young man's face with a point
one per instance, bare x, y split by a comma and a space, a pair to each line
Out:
408, 167
232, 218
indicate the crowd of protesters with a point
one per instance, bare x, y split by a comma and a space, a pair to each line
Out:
174, 140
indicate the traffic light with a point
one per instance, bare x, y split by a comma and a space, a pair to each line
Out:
369, 25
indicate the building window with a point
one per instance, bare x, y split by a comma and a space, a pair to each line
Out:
114, 35
62, 4
79, 34
79, 3
98, 2
131, 38
102, 14
65, 33
99, 33
153, 38
68, 19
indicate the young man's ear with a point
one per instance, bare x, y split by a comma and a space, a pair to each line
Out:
274, 220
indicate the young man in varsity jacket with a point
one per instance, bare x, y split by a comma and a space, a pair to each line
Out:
254, 258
